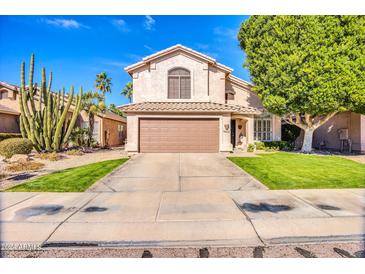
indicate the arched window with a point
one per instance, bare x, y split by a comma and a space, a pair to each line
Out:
179, 84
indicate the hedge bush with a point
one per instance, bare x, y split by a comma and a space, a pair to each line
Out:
273, 145
281, 145
4, 136
250, 148
12, 146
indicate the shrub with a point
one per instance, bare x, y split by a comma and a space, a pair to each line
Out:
74, 152
4, 136
250, 148
260, 145
24, 166
12, 146
279, 145
52, 156
271, 149
80, 137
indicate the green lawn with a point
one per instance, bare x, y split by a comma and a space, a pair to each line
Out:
283, 170
75, 179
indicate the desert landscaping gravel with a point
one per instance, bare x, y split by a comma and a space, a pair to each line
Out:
319, 250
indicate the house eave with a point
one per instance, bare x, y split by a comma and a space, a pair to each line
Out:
130, 69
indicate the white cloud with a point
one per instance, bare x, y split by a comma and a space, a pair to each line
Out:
117, 64
202, 46
64, 23
121, 25
225, 32
149, 22
149, 48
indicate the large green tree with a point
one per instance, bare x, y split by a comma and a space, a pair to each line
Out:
306, 68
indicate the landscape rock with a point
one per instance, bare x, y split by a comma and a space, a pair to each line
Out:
18, 158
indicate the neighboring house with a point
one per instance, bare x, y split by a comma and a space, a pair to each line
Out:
344, 129
109, 130
184, 101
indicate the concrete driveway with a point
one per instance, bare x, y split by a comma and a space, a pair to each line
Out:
178, 172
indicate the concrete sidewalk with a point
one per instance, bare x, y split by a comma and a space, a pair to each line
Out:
181, 219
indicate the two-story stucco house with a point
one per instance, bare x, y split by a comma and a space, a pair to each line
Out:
184, 101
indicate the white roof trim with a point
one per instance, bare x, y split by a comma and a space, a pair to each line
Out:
172, 49
239, 81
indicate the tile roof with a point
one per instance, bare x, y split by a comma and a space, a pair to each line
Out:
187, 107
111, 115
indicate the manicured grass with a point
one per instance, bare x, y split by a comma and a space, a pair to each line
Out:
75, 179
292, 171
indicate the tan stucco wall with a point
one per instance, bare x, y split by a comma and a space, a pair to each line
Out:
276, 130
150, 82
328, 132
217, 84
9, 123
243, 96
11, 103
115, 137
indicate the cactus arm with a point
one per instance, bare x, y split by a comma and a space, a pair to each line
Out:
57, 110
21, 125
75, 114
27, 117
47, 125
22, 98
59, 126
31, 87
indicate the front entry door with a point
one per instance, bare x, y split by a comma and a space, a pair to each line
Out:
233, 133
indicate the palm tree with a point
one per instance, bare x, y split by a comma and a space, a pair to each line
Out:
114, 109
93, 103
103, 83
128, 91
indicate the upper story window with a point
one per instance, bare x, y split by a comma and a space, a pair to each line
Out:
3, 94
179, 84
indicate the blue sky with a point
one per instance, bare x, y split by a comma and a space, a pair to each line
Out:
76, 48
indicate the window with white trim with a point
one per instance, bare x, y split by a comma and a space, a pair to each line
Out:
263, 128
179, 84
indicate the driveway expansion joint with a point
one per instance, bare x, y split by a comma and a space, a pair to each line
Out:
19, 202
249, 219
310, 204
68, 217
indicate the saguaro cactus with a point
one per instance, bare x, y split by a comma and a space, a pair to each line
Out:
49, 125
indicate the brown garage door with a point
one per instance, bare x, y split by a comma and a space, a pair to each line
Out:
178, 135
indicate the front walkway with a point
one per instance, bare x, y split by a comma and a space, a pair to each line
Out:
180, 219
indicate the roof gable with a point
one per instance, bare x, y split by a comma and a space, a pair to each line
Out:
175, 49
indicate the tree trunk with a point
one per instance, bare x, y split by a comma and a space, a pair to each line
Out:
307, 140
91, 128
